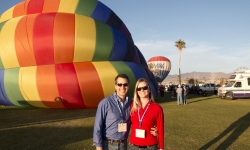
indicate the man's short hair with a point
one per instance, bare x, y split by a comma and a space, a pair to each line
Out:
121, 76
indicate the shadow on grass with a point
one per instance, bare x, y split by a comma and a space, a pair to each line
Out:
23, 116
237, 128
44, 137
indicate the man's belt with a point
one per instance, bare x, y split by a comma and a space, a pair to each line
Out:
116, 141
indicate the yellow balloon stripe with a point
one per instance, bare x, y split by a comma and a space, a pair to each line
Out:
85, 39
8, 50
28, 86
107, 74
7, 14
68, 6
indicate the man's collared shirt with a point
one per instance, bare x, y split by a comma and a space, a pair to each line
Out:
109, 114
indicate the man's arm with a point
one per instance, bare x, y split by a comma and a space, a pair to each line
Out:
98, 126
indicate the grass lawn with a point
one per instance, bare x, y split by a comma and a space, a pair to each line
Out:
207, 122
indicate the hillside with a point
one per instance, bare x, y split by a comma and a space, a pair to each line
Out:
200, 76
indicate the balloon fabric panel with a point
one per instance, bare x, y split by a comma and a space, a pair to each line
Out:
114, 21
106, 73
1, 63
51, 6
28, 86
47, 86
101, 12
68, 6
4, 98
85, 7
8, 53
64, 37
85, 39
24, 49
90, 84
68, 86
131, 52
126, 32
12, 87
119, 49
104, 42
19, 10
43, 38
35, 6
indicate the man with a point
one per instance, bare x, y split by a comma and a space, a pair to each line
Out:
112, 121
179, 95
112, 117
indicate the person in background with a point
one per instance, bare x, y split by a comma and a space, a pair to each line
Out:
179, 95
145, 113
162, 89
185, 94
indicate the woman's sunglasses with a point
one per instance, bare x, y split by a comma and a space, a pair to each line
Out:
120, 84
142, 88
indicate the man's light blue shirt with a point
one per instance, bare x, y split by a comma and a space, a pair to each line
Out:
108, 116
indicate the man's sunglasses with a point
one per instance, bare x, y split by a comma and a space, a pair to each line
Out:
120, 84
140, 88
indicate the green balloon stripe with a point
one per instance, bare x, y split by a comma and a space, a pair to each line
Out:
122, 67
104, 42
11, 85
86, 7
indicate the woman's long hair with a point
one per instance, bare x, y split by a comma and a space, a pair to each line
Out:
136, 100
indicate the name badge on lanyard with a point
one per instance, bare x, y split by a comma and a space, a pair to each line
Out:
122, 127
140, 133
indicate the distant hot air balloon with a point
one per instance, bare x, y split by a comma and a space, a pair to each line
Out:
65, 54
160, 66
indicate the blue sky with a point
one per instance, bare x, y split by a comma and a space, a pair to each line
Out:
216, 32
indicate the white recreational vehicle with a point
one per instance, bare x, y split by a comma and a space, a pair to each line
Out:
238, 86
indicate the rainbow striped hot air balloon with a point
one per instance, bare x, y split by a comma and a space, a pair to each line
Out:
71, 49
160, 66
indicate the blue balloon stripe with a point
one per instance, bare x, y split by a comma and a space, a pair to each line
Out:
120, 46
101, 12
3, 97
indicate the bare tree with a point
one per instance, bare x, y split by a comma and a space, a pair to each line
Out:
213, 77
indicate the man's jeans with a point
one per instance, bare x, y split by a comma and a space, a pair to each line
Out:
179, 99
107, 145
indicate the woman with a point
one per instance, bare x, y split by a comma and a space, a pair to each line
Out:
145, 113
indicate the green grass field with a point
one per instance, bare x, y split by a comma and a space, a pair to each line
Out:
205, 123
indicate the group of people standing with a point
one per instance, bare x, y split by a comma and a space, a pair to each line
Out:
117, 113
182, 93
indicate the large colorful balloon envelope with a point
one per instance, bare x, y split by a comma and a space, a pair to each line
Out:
65, 54
160, 66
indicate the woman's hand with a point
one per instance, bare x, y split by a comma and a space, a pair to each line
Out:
154, 131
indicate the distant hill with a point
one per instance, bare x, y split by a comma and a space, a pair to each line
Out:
200, 76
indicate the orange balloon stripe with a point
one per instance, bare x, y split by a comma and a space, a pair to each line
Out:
25, 54
19, 10
43, 38
35, 6
68, 86
64, 37
51, 5
90, 83
47, 86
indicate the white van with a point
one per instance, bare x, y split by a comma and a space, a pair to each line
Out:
238, 86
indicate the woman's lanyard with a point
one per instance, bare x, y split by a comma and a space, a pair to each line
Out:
140, 119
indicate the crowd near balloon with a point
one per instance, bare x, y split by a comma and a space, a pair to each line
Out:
65, 54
